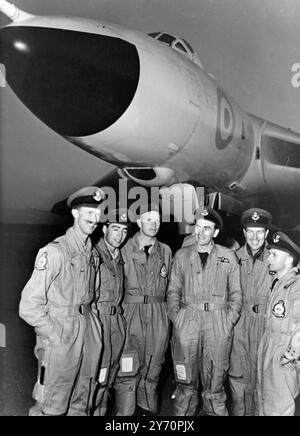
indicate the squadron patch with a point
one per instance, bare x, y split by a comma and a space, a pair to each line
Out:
163, 271
279, 309
42, 262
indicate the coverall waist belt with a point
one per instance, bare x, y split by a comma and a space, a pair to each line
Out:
79, 309
205, 307
256, 308
144, 299
109, 310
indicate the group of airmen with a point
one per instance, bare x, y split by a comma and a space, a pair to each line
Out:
104, 316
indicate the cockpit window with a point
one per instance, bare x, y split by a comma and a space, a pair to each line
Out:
166, 38
180, 47
188, 45
178, 44
154, 34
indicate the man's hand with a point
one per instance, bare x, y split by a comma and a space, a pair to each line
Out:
287, 361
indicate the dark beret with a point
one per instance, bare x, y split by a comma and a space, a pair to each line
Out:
89, 196
119, 216
209, 214
280, 241
256, 218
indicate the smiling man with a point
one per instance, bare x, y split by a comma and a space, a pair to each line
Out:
57, 302
279, 349
108, 302
204, 301
256, 279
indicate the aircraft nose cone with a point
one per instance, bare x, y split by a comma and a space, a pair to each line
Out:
77, 83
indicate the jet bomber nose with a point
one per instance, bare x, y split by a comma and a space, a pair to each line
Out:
77, 83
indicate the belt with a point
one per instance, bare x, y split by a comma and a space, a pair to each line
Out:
255, 307
143, 299
108, 298
109, 310
206, 307
78, 309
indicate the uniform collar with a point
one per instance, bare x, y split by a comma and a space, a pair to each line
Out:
136, 244
195, 252
245, 253
288, 277
105, 249
258, 255
76, 243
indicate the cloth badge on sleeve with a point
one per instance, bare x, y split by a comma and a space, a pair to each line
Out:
279, 309
42, 262
163, 271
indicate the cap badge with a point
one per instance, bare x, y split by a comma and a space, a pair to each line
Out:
276, 238
123, 217
205, 212
255, 216
97, 195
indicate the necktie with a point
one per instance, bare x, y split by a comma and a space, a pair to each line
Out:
147, 248
203, 257
273, 284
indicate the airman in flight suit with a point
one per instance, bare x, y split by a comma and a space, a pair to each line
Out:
57, 302
204, 302
256, 280
146, 266
279, 349
108, 302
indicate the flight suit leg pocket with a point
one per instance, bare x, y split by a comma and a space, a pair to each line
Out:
43, 353
129, 364
182, 370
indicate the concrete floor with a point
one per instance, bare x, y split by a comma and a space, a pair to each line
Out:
18, 366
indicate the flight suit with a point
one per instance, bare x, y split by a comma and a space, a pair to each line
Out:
256, 280
204, 303
57, 302
278, 385
147, 326
108, 303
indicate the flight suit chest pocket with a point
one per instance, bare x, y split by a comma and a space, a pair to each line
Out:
219, 278
108, 277
79, 271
